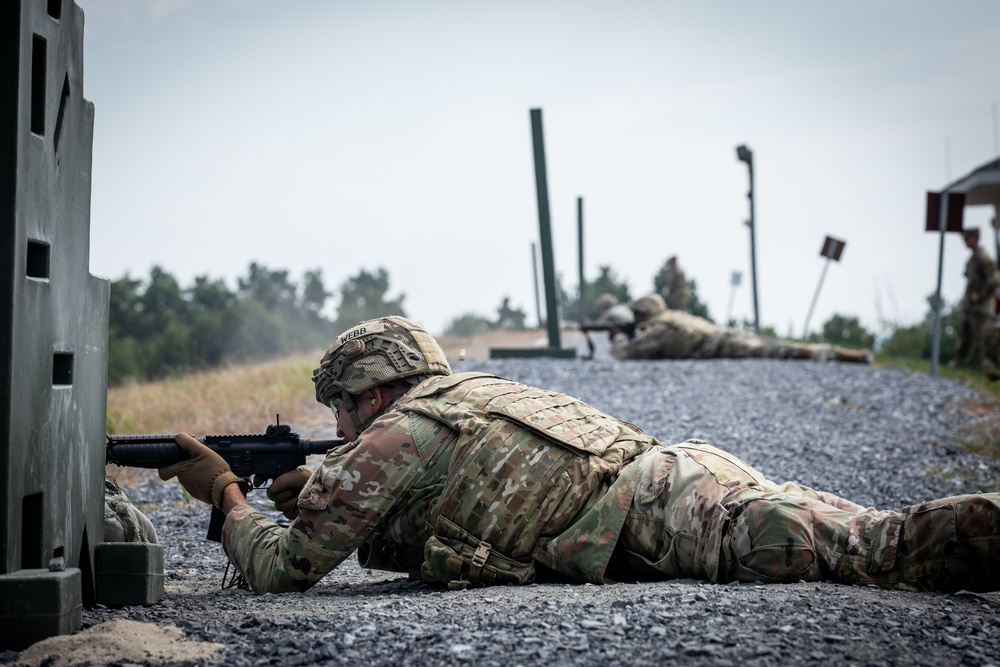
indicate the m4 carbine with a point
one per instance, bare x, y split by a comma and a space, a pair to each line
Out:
270, 454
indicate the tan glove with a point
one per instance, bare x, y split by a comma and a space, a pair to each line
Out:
205, 474
284, 491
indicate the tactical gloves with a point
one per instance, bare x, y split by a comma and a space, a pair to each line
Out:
284, 491
205, 474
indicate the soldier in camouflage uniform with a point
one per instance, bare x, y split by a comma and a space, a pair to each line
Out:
981, 281
660, 333
677, 293
471, 479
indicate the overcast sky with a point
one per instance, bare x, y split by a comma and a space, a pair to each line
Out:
356, 135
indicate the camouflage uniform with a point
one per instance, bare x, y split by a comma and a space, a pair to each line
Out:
672, 334
991, 350
471, 479
982, 278
677, 289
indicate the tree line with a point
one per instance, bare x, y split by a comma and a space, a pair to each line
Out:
157, 327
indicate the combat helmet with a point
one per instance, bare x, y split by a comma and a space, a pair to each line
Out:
373, 353
619, 315
647, 307
604, 302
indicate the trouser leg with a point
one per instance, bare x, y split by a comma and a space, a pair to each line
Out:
963, 343
944, 545
991, 350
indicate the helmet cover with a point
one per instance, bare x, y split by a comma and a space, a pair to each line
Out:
375, 352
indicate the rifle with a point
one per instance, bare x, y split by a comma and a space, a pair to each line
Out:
587, 327
269, 454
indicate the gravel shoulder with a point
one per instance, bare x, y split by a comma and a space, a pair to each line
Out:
879, 437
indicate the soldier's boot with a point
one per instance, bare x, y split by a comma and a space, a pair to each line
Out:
123, 522
853, 356
944, 545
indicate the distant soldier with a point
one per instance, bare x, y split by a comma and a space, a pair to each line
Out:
981, 281
660, 333
676, 293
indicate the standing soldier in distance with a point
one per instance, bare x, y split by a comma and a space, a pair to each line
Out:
677, 292
981, 281
471, 480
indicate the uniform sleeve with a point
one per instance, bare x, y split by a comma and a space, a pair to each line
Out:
341, 505
647, 343
991, 274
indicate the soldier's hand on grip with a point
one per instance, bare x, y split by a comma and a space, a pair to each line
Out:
284, 491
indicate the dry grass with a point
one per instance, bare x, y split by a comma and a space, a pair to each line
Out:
982, 432
237, 399
240, 399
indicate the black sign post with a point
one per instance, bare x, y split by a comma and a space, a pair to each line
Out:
943, 214
831, 250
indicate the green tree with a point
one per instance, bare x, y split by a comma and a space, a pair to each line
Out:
695, 305
917, 341
363, 297
157, 328
847, 332
468, 324
607, 282
314, 294
272, 289
510, 318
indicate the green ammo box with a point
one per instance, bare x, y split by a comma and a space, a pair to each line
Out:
129, 573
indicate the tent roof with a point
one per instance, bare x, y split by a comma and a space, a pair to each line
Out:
981, 186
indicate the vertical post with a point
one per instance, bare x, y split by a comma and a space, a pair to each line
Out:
582, 314
735, 279
534, 273
936, 340
822, 275
744, 154
545, 230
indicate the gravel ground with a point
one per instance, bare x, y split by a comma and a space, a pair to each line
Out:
875, 436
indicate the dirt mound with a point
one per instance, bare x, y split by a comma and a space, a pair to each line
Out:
119, 640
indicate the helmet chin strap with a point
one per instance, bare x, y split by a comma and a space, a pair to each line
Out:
352, 410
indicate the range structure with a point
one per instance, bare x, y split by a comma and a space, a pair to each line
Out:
555, 348
945, 213
53, 332
744, 154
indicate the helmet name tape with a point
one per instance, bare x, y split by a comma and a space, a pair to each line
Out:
357, 332
377, 352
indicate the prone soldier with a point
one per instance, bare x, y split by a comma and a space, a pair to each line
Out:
662, 333
471, 479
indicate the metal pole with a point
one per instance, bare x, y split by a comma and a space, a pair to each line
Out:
579, 233
729, 309
822, 275
936, 344
744, 154
534, 272
545, 230
753, 253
